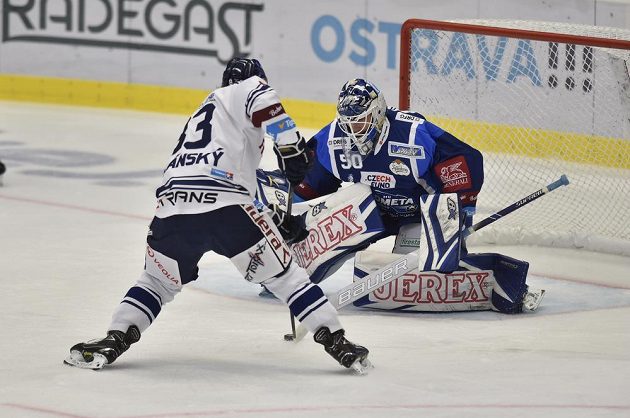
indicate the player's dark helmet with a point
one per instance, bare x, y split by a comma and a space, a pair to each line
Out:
239, 69
361, 115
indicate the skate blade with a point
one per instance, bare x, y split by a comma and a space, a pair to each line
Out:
361, 367
76, 359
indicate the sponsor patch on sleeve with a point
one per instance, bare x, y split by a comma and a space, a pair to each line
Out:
221, 173
454, 174
267, 113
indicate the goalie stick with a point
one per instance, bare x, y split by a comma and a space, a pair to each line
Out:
409, 262
562, 181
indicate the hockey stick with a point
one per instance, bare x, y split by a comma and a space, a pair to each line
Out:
409, 262
292, 335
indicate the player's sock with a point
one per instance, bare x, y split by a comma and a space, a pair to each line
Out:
95, 354
306, 301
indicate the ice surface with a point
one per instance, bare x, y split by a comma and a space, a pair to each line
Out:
74, 210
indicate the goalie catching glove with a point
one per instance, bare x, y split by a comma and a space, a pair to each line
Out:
292, 227
294, 159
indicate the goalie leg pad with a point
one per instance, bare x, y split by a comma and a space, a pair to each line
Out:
345, 222
339, 224
440, 240
510, 275
422, 291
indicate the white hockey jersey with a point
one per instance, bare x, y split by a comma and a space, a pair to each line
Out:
214, 163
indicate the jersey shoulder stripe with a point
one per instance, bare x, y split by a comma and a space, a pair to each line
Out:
254, 95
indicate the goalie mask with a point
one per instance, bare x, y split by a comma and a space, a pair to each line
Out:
239, 69
360, 115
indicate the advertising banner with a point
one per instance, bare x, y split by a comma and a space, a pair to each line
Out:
309, 49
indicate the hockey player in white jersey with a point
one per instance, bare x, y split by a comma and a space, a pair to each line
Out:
205, 204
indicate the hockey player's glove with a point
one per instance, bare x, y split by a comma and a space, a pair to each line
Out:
292, 227
294, 160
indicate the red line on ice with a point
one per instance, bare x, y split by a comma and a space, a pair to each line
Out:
75, 207
290, 410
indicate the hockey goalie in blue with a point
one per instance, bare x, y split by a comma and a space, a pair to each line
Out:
412, 180
400, 155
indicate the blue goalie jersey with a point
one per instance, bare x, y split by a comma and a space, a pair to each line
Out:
411, 157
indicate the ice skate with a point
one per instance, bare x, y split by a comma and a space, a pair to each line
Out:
532, 298
348, 354
95, 354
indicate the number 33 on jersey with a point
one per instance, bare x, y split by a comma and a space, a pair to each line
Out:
211, 166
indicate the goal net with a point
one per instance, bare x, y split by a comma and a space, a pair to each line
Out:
539, 100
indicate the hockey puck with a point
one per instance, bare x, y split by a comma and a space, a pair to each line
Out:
289, 337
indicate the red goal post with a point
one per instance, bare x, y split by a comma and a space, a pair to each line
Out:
539, 99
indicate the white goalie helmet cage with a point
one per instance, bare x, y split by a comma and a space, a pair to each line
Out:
360, 115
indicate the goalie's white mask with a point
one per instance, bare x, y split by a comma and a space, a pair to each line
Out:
360, 115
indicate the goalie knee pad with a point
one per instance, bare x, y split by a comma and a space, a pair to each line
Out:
510, 275
345, 222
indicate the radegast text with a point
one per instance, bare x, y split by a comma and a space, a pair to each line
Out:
190, 27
